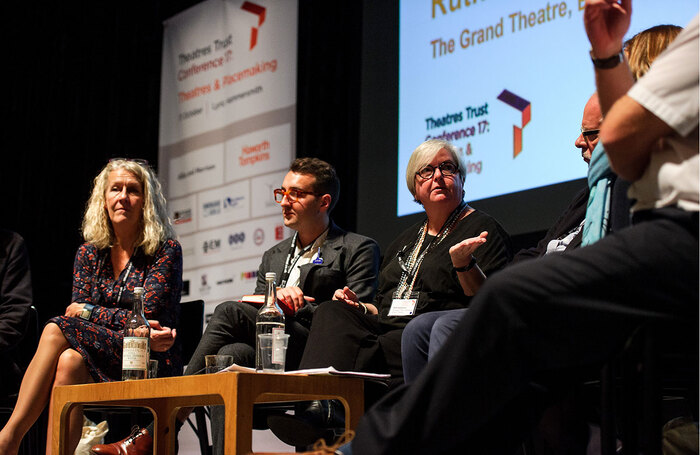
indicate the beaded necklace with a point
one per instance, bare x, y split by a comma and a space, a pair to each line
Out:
415, 260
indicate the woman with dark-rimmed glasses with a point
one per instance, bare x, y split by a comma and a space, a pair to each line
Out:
429, 267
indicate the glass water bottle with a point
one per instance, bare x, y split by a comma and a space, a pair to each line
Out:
270, 318
137, 341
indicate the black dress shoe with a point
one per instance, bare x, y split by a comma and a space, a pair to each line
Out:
263, 411
320, 419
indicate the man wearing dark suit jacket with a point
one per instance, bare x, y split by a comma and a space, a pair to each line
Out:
15, 300
318, 259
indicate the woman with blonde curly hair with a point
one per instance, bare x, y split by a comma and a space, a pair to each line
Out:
129, 243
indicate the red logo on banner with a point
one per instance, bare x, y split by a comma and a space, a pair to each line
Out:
258, 11
279, 232
523, 105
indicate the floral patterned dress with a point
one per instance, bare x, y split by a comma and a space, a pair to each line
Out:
99, 340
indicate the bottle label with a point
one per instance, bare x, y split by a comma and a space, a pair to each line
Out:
135, 356
278, 352
279, 347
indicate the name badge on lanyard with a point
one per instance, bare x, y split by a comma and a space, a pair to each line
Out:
403, 307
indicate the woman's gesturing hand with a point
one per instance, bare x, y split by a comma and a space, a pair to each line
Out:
461, 253
347, 296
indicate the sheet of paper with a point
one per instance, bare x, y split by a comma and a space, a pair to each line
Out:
329, 371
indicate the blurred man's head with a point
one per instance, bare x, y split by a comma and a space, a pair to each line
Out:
590, 124
643, 48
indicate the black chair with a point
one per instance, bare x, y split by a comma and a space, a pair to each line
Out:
190, 332
31, 444
658, 367
191, 326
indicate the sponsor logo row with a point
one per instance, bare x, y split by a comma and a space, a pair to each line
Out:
221, 282
245, 239
229, 204
204, 286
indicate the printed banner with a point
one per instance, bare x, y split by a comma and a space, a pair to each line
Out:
227, 123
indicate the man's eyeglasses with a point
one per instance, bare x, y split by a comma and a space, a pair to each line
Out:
447, 168
292, 194
589, 135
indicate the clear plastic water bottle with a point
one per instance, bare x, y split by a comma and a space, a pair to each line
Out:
270, 318
137, 341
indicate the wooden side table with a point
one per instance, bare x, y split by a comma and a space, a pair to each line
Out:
236, 391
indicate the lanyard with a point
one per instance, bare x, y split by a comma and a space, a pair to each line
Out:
123, 285
123, 281
410, 270
292, 259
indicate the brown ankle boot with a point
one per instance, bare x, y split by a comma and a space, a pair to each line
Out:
139, 442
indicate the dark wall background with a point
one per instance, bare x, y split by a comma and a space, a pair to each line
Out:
82, 84
83, 87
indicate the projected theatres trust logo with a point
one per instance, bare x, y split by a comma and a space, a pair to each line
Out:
258, 11
522, 105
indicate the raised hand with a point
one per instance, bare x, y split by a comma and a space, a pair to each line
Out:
606, 23
461, 253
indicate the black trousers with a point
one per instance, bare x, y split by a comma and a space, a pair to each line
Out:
532, 331
347, 339
231, 331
